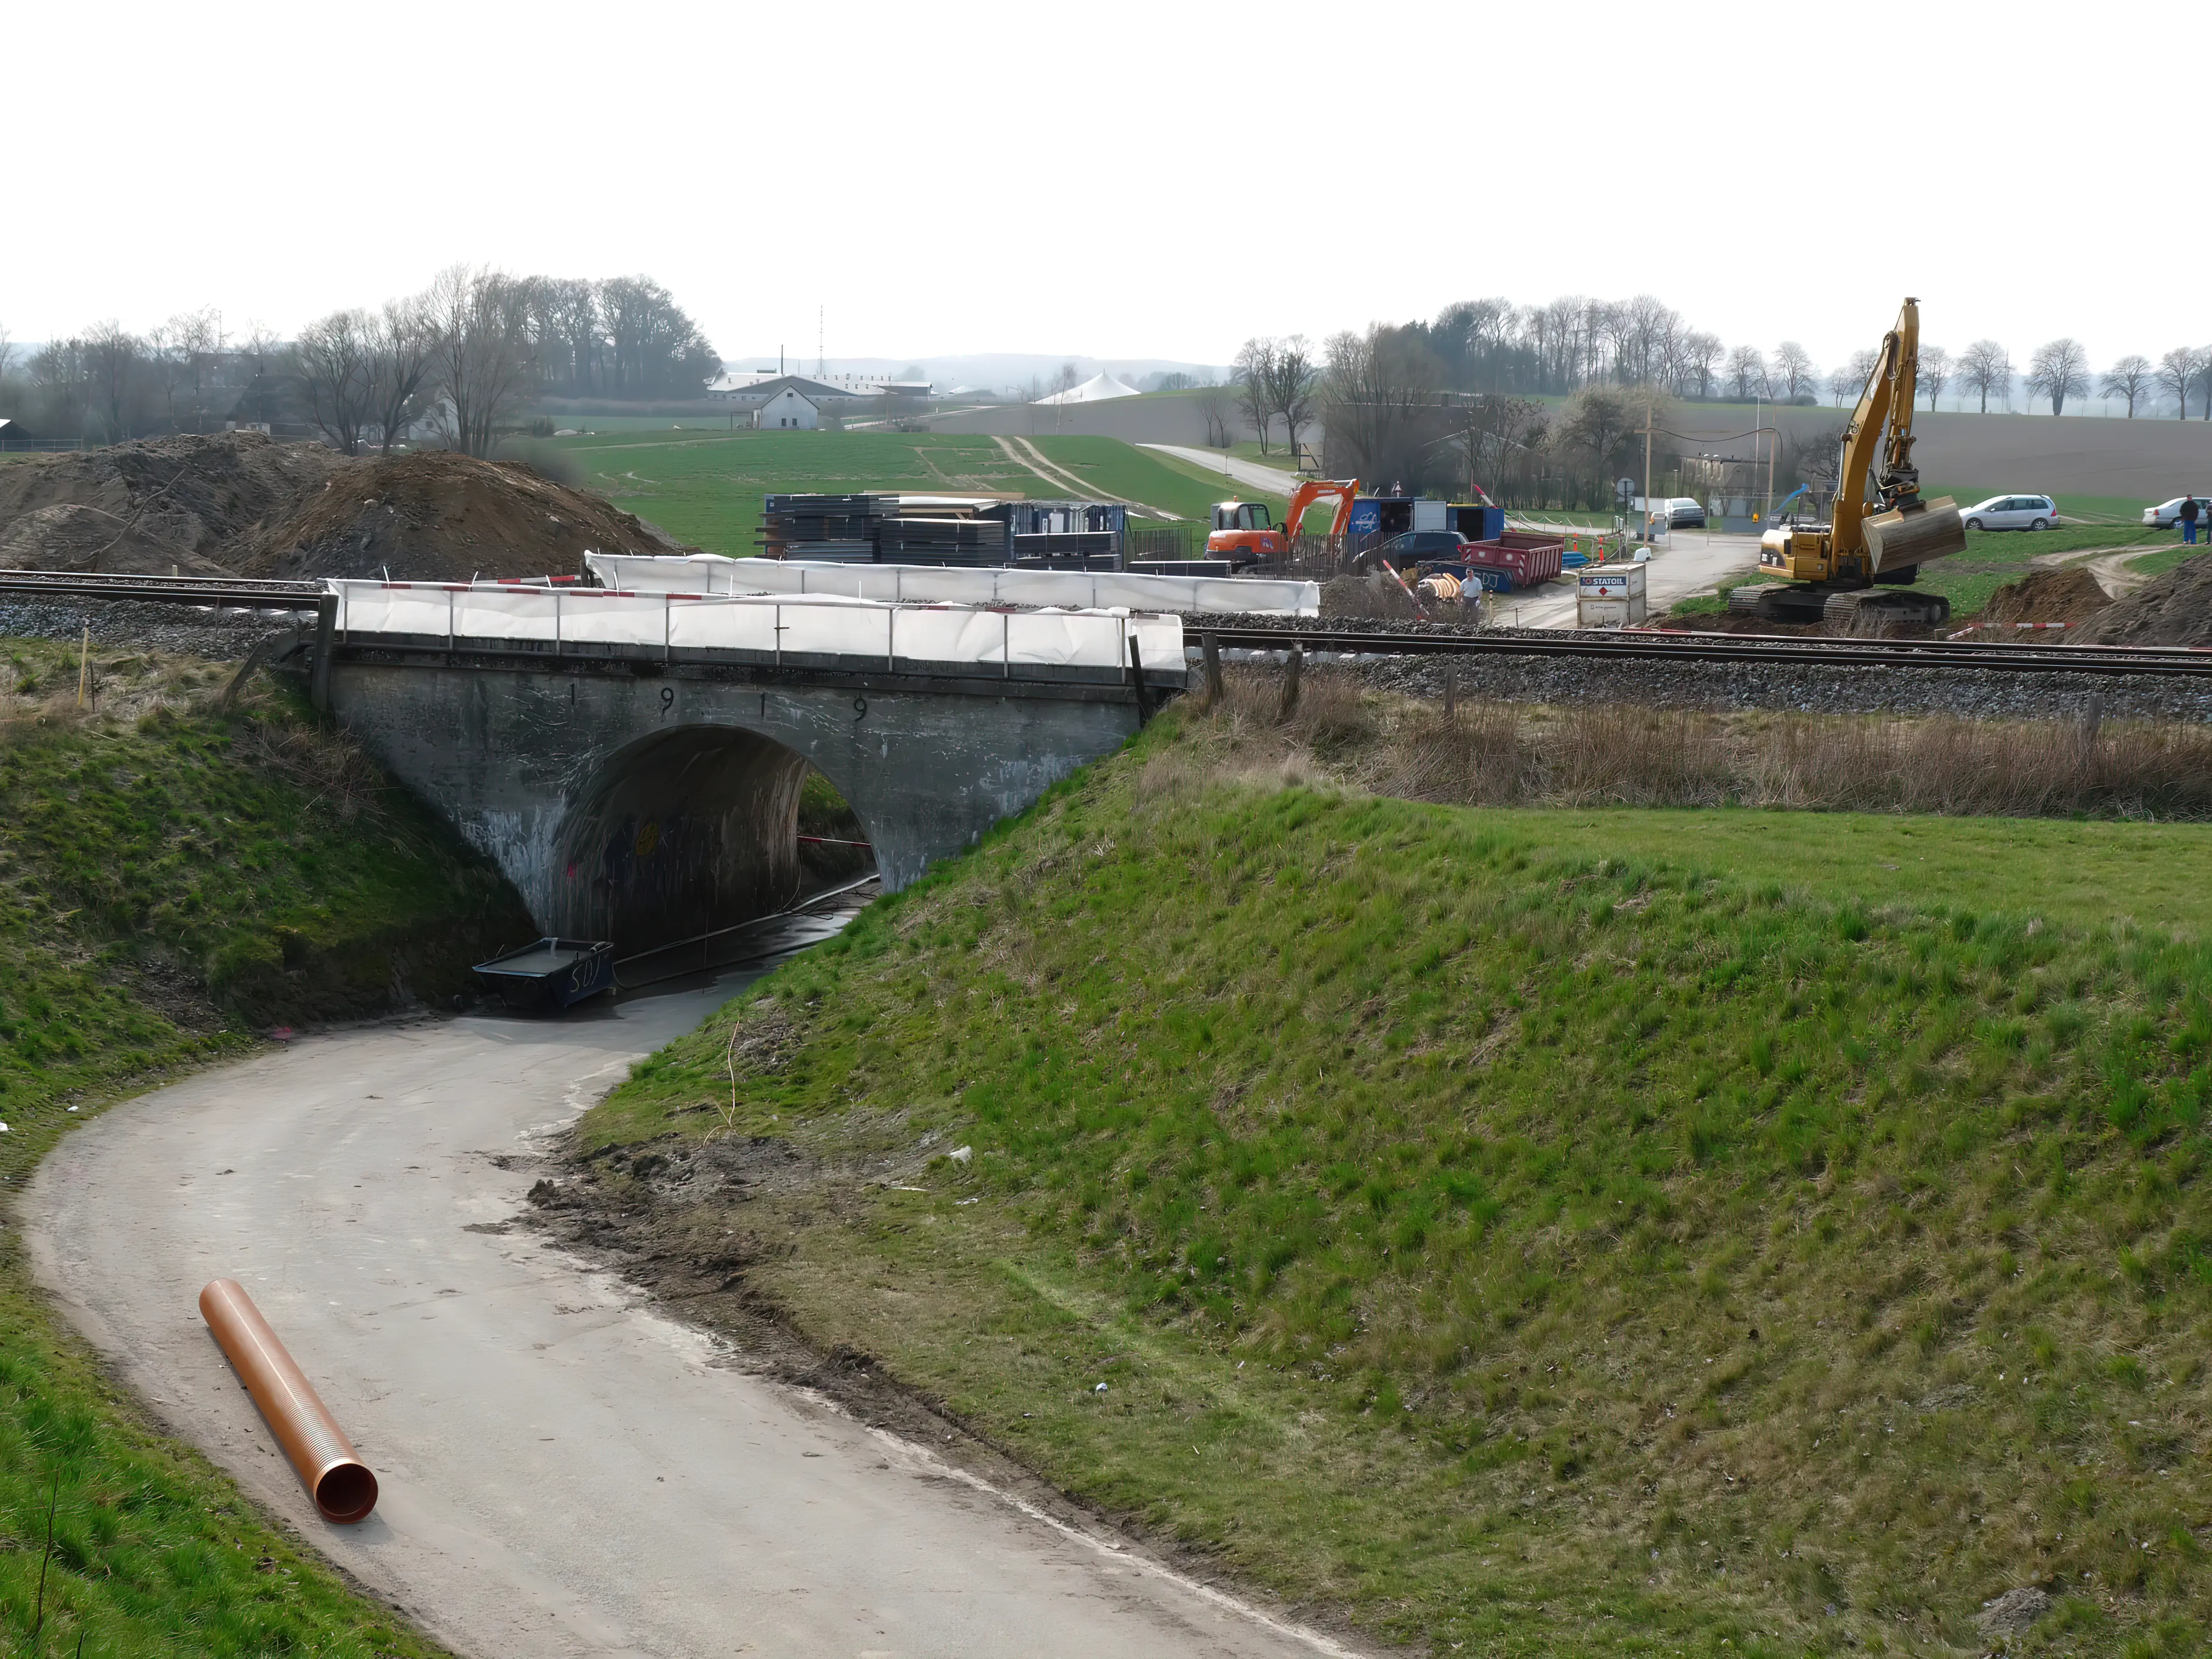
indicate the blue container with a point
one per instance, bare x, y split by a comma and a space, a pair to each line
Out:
1476, 523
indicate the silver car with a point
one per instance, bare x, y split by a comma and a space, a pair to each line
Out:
2166, 515
2012, 513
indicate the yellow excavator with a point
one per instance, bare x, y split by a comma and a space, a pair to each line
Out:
1879, 533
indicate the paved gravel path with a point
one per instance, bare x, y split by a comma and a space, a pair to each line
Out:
566, 1470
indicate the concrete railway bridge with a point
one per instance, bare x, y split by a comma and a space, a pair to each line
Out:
634, 761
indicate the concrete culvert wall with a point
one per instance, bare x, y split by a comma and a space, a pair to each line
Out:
680, 833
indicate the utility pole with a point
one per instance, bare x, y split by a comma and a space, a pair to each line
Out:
1647, 468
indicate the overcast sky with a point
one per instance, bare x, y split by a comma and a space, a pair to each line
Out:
1138, 180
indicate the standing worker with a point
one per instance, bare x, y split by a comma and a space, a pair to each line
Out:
2188, 520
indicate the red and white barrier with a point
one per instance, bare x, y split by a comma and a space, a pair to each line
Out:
1972, 627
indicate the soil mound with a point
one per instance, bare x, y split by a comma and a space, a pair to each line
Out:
176, 500
71, 536
1359, 596
437, 516
2069, 594
2175, 609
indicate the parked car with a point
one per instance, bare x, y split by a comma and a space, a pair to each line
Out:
2012, 513
2166, 515
1685, 511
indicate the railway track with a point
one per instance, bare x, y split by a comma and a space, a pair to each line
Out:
1778, 650
230, 592
245, 593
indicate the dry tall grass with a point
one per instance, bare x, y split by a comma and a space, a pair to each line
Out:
1627, 755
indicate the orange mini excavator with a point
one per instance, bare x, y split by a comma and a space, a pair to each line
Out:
1243, 535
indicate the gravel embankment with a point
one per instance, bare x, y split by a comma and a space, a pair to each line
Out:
1803, 688
186, 629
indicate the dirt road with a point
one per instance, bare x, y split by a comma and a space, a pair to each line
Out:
1689, 564
566, 1470
1233, 471
1021, 449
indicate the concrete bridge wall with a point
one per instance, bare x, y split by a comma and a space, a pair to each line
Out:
645, 807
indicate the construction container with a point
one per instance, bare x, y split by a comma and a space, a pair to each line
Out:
1523, 559
1476, 522
1609, 596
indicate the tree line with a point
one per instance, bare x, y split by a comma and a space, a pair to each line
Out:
460, 356
1540, 405
1493, 346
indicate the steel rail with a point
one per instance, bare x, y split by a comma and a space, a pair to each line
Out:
1778, 650
231, 593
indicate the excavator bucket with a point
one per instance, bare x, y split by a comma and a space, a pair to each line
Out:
1914, 536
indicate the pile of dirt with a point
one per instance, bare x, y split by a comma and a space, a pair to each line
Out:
436, 516
163, 502
71, 536
1373, 598
2068, 594
2175, 609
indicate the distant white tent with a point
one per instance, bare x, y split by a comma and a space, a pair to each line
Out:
1096, 389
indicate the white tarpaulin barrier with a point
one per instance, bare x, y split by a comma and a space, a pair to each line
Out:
836, 626
710, 573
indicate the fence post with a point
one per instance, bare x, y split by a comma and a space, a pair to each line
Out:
1211, 643
1137, 679
1293, 671
1451, 690
318, 680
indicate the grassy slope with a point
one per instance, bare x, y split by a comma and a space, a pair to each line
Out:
1557, 1230
148, 862
705, 487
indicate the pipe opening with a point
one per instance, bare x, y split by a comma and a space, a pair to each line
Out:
346, 1492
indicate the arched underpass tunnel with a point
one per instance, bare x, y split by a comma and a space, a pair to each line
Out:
691, 832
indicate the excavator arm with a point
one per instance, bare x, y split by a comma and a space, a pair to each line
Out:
1319, 489
1880, 529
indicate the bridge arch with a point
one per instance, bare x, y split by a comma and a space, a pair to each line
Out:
682, 832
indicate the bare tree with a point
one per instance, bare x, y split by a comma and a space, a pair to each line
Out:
2204, 383
1213, 404
479, 327
2129, 378
1493, 428
1986, 367
65, 384
1597, 421
1701, 359
337, 365
1934, 371
7, 352
1290, 387
197, 339
113, 358
1850, 380
2176, 373
2058, 370
1369, 395
1794, 365
402, 345
1746, 373
1253, 377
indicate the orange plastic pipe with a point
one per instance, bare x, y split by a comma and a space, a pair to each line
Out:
343, 1486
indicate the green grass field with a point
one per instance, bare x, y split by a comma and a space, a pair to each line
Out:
171, 875
1146, 475
705, 487
1536, 1231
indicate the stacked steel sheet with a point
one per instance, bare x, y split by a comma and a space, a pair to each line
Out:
1077, 546
790, 523
941, 541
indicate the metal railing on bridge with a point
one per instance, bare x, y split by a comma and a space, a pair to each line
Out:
711, 572
822, 631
